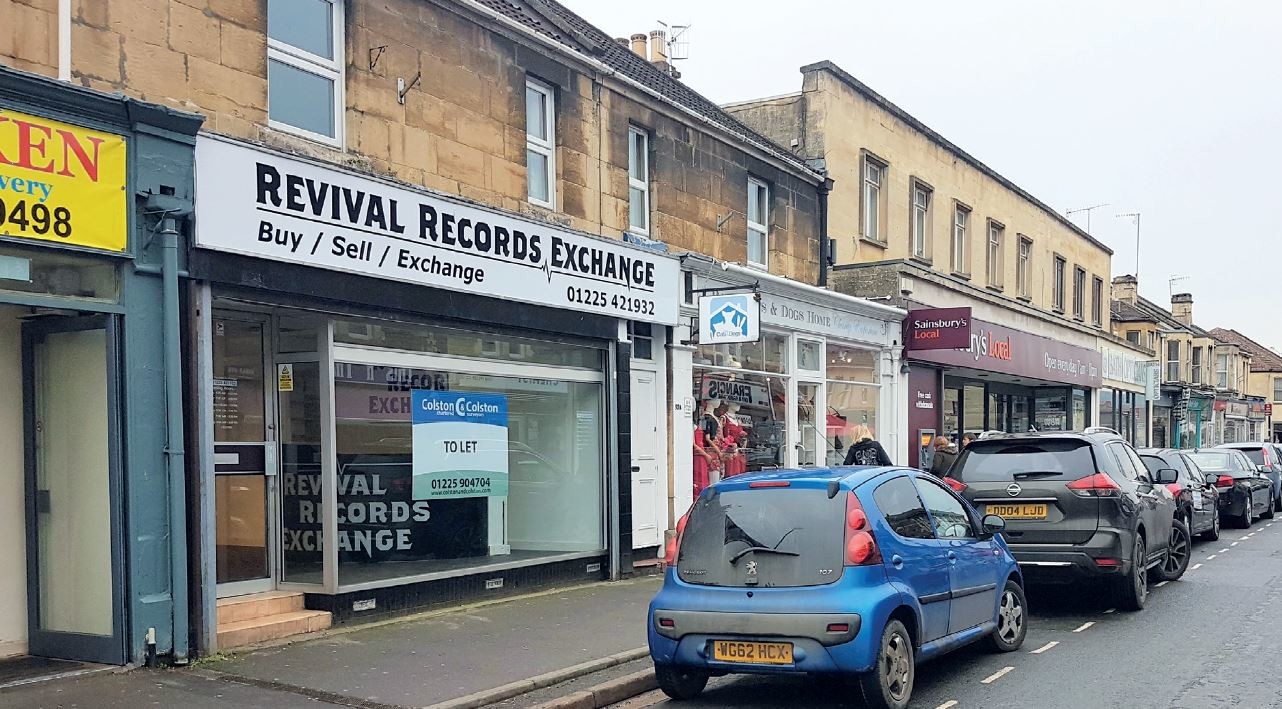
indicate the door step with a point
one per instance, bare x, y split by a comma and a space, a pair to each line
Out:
256, 618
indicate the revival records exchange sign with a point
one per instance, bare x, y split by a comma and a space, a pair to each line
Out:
263, 204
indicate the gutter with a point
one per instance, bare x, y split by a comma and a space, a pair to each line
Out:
824, 246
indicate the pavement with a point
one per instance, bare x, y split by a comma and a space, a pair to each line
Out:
425, 660
1207, 641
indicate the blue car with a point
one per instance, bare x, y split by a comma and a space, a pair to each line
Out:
858, 572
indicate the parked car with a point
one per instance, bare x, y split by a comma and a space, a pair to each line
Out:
1268, 460
1245, 493
1077, 506
1197, 501
862, 571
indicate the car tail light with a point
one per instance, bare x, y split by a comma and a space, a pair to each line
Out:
1108, 563
955, 484
1268, 460
769, 483
861, 546
674, 544
1097, 485
1224, 481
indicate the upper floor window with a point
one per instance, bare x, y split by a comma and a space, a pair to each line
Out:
1057, 296
874, 178
1023, 266
1097, 301
1222, 371
305, 68
758, 223
960, 249
1173, 361
1133, 336
638, 181
921, 220
1197, 365
1079, 292
1277, 389
996, 233
540, 143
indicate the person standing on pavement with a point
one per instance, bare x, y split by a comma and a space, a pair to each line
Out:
945, 455
867, 452
966, 440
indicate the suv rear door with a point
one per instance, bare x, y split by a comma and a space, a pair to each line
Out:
1024, 479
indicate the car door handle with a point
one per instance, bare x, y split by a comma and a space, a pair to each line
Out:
897, 561
952, 556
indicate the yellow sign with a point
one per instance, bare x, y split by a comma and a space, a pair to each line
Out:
284, 377
62, 183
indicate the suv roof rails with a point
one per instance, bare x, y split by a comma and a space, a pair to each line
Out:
1100, 429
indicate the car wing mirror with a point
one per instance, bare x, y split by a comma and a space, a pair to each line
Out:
1210, 479
993, 525
1262, 468
1166, 476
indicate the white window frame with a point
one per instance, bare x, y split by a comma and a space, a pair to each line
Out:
758, 228
643, 142
1173, 365
921, 220
1222, 371
1198, 362
1277, 388
994, 266
961, 224
543, 147
331, 69
872, 190
1023, 266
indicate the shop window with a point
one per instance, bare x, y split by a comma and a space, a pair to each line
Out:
540, 143
1050, 410
642, 336
300, 471
47, 272
852, 364
638, 181
740, 425
305, 68
853, 399
301, 333
766, 355
809, 356
461, 343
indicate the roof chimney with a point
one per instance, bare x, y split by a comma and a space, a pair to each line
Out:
1182, 308
658, 47
638, 45
1126, 289
623, 41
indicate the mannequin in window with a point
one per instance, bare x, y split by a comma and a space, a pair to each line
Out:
707, 453
734, 436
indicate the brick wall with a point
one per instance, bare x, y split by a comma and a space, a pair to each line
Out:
461, 129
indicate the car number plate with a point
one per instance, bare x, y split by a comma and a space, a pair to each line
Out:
752, 652
1018, 511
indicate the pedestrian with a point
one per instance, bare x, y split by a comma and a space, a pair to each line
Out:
966, 440
945, 455
867, 452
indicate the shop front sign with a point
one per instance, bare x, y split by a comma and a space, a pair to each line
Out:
62, 184
937, 329
1118, 366
460, 444
263, 204
995, 348
792, 314
725, 319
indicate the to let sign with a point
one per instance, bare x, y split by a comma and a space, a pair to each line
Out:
61, 183
938, 329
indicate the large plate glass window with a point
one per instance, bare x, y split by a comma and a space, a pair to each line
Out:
742, 396
852, 402
305, 68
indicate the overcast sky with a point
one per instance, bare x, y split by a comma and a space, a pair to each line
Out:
1171, 109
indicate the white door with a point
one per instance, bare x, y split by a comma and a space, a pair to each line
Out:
649, 493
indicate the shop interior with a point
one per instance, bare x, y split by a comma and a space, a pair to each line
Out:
977, 401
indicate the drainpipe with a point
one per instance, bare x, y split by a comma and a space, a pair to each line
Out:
176, 455
824, 249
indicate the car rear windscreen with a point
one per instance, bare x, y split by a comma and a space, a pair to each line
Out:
1255, 454
764, 537
1219, 462
1002, 461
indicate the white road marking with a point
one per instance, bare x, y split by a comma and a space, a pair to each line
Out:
1270, 524
1211, 557
1242, 539
1045, 647
1111, 610
996, 675
1160, 584
1084, 626
1195, 567
1235, 544
1223, 550
948, 704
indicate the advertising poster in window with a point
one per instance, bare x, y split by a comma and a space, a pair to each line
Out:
460, 444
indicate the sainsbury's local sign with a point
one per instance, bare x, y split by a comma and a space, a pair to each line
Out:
258, 203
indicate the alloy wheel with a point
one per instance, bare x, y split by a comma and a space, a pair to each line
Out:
1010, 617
1141, 570
898, 665
1178, 554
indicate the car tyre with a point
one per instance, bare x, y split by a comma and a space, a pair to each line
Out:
1132, 590
680, 683
1012, 620
1178, 552
1213, 533
890, 684
1247, 517
1269, 514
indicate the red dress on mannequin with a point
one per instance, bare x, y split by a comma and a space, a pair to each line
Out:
700, 462
735, 435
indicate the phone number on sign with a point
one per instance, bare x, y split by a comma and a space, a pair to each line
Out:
461, 484
603, 300
36, 218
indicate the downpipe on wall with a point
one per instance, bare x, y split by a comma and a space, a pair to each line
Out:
175, 452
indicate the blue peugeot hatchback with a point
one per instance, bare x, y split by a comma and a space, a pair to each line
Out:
847, 571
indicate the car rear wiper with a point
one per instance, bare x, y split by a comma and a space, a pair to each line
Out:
744, 552
1037, 474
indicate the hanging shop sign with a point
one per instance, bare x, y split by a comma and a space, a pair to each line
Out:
263, 204
460, 444
725, 319
61, 183
937, 328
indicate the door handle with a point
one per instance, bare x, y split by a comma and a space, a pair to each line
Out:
897, 561
636, 468
952, 555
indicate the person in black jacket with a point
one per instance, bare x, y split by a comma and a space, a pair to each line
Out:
867, 452
945, 454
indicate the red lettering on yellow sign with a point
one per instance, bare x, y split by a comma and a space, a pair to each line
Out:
33, 142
